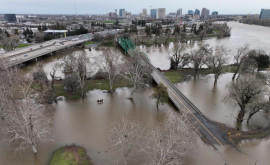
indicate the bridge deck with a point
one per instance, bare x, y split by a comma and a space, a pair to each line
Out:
207, 129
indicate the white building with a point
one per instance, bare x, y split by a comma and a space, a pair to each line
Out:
161, 13
179, 12
144, 13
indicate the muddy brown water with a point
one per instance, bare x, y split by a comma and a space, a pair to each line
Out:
87, 124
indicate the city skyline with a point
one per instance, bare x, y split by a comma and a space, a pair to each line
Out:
135, 7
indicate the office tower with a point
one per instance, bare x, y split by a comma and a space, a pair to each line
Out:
161, 13
190, 12
122, 12
265, 14
179, 13
214, 13
154, 13
197, 12
144, 12
10, 18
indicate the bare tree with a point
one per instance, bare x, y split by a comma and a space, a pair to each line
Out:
111, 65
124, 138
39, 37
137, 70
245, 92
217, 60
167, 144
75, 65
24, 122
40, 77
10, 43
240, 58
55, 67
170, 143
179, 56
197, 57
257, 107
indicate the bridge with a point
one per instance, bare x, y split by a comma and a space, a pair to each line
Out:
33, 52
208, 130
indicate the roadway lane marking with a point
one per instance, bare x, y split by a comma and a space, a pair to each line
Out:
193, 114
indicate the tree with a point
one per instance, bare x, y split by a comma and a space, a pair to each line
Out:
178, 56
24, 122
148, 30
197, 57
261, 58
240, 57
53, 74
170, 143
167, 144
257, 107
10, 43
137, 70
40, 77
75, 66
176, 29
70, 83
123, 138
245, 92
217, 61
160, 94
97, 37
39, 37
110, 64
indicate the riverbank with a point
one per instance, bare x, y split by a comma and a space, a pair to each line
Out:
176, 76
102, 84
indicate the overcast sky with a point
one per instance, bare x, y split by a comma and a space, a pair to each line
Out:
134, 6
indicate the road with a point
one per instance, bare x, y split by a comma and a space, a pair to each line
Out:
32, 52
208, 130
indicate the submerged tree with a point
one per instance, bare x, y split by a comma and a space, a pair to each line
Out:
197, 57
217, 60
245, 92
137, 70
179, 56
160, 94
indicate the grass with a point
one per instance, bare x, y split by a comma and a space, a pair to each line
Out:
1, 46
174, 76
90, 42
108, 43
102, 84
70, 155
22, 45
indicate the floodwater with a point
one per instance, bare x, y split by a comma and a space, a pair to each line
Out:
257, 37
87, 124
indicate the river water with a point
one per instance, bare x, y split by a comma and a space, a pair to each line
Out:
87, 124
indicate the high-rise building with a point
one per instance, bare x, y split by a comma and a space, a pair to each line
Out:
214, 13
190, 12
197, 12
122, 12
205, 13
10, 18
265, 14
179, 13
154, 13
144, 12
161, 13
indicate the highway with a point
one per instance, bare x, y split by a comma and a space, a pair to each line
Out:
22, 55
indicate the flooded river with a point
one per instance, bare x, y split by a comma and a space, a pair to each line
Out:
87, 124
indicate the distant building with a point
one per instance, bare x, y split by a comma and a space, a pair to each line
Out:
190, 12
197, 12
144, 12
122, 12
205, 13
179, 13
153, 13
172, 14
265, 14
214, 13
161, 13
10, 18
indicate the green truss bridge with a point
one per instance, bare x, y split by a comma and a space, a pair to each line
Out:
126, 44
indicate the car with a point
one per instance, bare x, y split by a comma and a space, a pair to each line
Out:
25, 55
